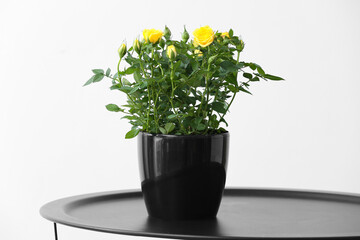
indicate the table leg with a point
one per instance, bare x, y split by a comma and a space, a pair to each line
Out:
55, 231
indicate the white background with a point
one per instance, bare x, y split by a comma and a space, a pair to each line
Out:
57, 139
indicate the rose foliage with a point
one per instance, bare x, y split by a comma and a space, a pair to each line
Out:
181, 87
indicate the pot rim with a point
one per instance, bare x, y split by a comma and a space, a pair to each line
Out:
184, 136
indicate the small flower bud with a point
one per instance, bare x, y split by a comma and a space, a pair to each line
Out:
198, 52
171, 52
122, 50
137, 46
185, 35
225, 34
241, 45
167, 33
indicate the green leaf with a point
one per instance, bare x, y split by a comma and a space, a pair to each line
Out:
125, 89
212, 58
137, 76
115, 86
231, 78
126, 82
89, 81
247, 75
233, 88
129, 117
132, 133
194, 65
244, 90
172, 116
201, 127
144, 84
218, 107
272, 77
98, 71
113, 108
255, 79
228, 66
197, 121
108, 71
195, 81
252, 66
130, 70
240, 65
98, 77
134, 90
162, 130
260, 70
169, 127
231, 33
224, 121
116, 75
177, 65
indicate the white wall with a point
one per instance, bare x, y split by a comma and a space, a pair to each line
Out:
57, 139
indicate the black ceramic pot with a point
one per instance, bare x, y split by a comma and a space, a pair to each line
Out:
183, 177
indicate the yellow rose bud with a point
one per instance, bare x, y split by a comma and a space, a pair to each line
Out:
171, 52
152, 35
203, 36
122, 50
137, 46
225, 34
198, 52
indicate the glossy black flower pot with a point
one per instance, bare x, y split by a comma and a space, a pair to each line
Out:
183, 177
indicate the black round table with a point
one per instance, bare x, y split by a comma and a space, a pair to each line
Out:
243, 214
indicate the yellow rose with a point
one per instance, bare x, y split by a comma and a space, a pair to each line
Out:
198, 52
171, 52
152, 35
225, 34
203, 36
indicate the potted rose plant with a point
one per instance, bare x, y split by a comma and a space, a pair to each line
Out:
177, 98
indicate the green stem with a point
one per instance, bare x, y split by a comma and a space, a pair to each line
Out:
156, 118
233, 97
205, 91
129, 97
172, 94
148, 110
152, 67
152, 94
211, 112
118, 69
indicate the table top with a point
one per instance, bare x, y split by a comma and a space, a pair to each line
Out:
244, 213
